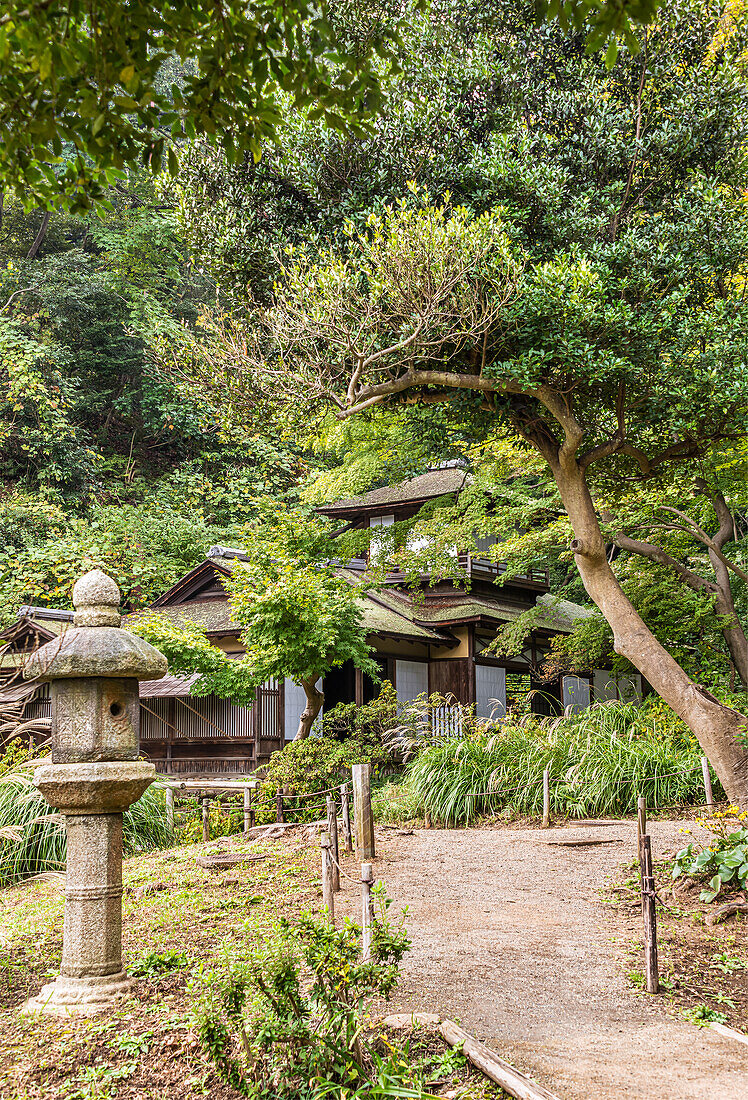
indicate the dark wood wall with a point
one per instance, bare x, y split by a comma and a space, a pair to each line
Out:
453, 677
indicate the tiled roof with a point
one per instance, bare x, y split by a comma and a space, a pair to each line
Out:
168, 687
562, 614
434, 483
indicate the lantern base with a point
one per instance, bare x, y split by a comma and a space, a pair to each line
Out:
79, 996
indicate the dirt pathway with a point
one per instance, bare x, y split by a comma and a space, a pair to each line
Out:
510, 938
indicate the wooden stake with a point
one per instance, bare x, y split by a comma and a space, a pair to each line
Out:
546, 798
345, 813
363, 819
650, 916
170, 809
206, 819
641, 818
279, 807
367, 910
707, 784
328, 893
247, 809
332, 828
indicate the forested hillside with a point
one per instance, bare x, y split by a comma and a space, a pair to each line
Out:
137, 430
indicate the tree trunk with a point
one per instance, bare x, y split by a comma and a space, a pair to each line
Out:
716, 727
733, 632
31, 255
314, 701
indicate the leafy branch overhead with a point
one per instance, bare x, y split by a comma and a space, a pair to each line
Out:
89, 90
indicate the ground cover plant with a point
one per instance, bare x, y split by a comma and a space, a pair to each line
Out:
287, 1022
599, 761
181, 923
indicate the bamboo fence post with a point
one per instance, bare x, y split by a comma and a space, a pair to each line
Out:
328, 893
279, 807
707, 784
650, 916
332, 828
641, 818
206, 819
345, 813
367, 912
546, 798
247, 809
363, 820
170, 809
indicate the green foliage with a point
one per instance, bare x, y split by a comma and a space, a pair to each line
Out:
223, 819
298, 617
725, 860
89, 91
145, 548
188, 650
316, 764
155, 963
286, 1022
33, 834
599, 761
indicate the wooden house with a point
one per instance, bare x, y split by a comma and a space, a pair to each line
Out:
431, 639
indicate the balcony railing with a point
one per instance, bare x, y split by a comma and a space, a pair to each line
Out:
478, 567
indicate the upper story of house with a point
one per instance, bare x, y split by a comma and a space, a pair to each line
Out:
390, 504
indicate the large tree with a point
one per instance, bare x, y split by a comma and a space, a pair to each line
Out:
595, 310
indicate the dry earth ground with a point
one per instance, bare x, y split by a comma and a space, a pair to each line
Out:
510, 935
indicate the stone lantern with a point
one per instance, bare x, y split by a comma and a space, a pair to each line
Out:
93, 670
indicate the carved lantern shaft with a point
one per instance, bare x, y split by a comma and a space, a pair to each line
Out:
93, 670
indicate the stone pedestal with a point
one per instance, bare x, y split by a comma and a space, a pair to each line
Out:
94, 776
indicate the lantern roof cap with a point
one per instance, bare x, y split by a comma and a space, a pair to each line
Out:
96, 645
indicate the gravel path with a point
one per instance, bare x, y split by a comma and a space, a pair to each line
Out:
510, 938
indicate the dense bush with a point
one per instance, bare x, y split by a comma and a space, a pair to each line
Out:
350, 735
287, 1022
32, 834
599, 762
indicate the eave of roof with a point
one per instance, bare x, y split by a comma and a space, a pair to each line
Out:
221, 564
415, 490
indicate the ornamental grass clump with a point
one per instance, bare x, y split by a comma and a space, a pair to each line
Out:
32, 834
599, 762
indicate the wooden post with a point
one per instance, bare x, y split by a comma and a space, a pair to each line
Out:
707, 784
345, 813
247, 809
332, 828
367, 911
546, 798
206, 819
279, 807
363, 820
650, 916
170, 809
641, 818
328, 893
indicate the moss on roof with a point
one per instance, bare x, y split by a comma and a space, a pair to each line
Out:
212, 615
434, 483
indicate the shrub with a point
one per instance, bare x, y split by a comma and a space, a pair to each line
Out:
599, 762
724, 860
287, 1021
32, 834
350, 735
